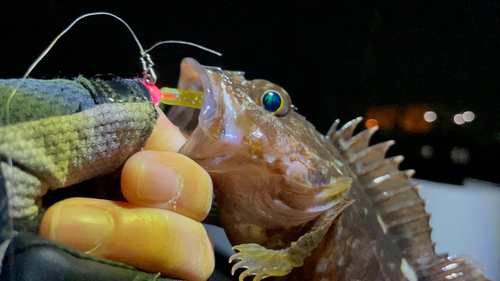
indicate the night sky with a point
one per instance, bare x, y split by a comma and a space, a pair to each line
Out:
336, 60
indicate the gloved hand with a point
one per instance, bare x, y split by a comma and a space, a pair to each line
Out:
157, 230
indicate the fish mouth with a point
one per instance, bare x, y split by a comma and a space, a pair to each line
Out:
193, 77
219, 115
217, 133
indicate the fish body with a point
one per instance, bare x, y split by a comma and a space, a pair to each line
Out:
304, 205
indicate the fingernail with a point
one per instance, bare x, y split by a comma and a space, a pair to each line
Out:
157, 182
82, 227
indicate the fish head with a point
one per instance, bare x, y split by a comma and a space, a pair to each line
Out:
264, 157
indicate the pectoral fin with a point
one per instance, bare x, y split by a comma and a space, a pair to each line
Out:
264, 263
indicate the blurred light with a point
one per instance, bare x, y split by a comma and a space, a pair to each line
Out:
430, 116
459, 119
411, 120
385, 115
370, 123
427, 151
468, 116
460, 155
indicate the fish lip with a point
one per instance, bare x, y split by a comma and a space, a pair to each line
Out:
218, 115
209, 107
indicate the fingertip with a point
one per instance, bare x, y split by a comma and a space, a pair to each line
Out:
168, 181
165, 136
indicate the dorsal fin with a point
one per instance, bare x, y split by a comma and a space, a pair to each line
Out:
398, 204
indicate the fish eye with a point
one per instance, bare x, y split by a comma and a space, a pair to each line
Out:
274, 102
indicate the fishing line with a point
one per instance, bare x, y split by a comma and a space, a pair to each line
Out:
145, 58
184, 43
32, 66
149, 76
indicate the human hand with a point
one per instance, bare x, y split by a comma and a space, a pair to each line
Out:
158, 229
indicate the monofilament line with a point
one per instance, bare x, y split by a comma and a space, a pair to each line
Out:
141, 50
32, 66
184, 43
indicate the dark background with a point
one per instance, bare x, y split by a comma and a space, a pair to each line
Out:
392, 60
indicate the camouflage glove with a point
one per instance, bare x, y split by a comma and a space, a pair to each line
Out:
63, 133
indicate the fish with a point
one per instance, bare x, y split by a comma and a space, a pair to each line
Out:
300, 205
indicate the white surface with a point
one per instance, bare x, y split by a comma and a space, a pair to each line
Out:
466, 220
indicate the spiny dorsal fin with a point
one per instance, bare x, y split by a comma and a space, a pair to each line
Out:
380, 168
398, 204
359, 142
456, 268
333, 129
371, 154
345, 133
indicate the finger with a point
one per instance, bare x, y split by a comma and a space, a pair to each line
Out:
167, 180
153, 240
165, 136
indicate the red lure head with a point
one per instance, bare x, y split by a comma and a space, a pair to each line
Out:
155, 92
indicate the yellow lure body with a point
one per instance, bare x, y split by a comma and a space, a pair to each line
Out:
173, 96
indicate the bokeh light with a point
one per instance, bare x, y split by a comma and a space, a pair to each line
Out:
430, 116
460, 155
458, 119
370, 123
411, 120
468, 116
384, 115
427, 151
